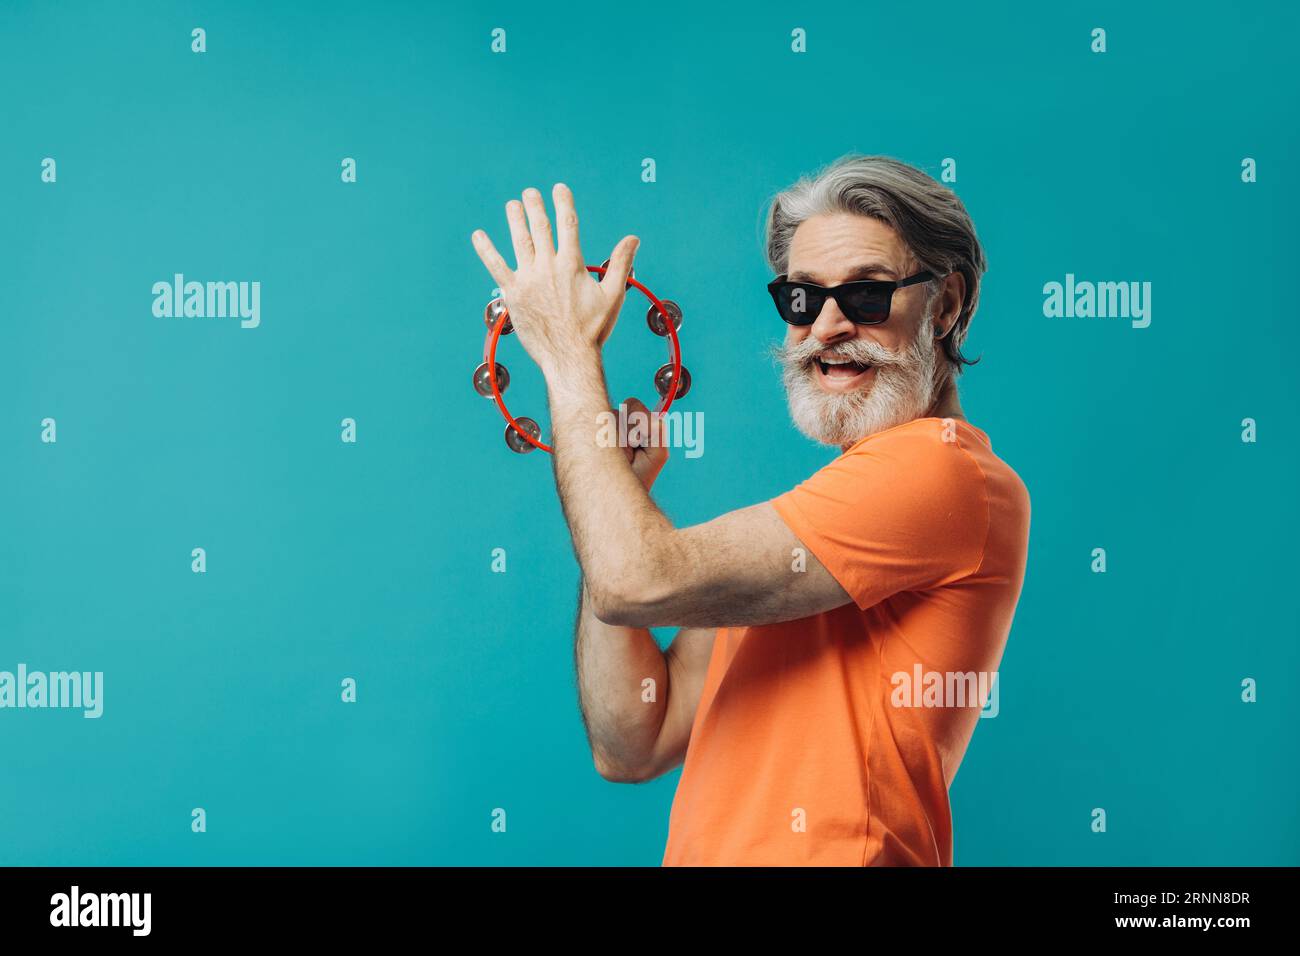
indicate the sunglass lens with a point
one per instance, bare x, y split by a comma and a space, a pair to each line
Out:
798, 304
865, 305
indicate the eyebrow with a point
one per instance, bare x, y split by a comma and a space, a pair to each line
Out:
864, 271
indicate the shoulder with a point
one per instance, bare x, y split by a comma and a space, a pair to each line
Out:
921, 474
929, 455
906, 508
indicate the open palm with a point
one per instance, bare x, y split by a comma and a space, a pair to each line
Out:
560, 312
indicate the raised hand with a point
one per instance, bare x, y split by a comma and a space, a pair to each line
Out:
558, 309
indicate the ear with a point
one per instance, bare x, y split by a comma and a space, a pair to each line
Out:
951, 300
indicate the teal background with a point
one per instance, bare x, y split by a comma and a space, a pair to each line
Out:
328, 560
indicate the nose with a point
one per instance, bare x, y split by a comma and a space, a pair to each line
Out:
832, 325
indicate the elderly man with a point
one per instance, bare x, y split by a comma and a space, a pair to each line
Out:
809, 689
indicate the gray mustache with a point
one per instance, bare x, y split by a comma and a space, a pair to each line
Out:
861, 352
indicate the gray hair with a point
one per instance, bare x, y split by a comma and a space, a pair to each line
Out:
927, 216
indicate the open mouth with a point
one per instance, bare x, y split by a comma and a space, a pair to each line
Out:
840, 368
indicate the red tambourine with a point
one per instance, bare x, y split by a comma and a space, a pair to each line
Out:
491, 378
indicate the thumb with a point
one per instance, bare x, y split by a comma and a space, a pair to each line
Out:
655, 446
620, 262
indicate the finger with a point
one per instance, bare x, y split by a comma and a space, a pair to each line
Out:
658, 450
658, 430
539, 225
635, 404
524, 253
620, 264
496, 266
566, 220
649, 456
658, 427
647, 464
656, 454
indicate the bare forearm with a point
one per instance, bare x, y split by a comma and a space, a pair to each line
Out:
618, 532
622, 691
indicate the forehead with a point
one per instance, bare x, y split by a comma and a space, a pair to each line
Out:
841, 246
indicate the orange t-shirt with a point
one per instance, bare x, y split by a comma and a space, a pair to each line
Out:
833, 739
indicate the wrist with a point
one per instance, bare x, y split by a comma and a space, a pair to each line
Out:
575, 374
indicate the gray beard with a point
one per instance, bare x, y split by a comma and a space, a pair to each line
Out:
903, 388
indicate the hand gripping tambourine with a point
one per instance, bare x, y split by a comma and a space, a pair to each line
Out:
491, 378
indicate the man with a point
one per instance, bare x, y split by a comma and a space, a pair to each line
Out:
800, 689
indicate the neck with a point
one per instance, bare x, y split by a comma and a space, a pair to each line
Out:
946, 404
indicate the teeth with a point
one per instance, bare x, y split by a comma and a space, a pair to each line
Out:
826, 363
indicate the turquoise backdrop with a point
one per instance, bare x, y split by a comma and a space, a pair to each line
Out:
372, 560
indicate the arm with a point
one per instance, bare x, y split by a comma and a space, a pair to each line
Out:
634, 735
737, 569
637, 732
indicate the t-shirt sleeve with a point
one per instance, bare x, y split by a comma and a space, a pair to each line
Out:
904, 510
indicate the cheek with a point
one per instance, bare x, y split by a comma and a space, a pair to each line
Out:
887, 336
904, 323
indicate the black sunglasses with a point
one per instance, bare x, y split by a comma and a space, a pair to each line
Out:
865, 302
